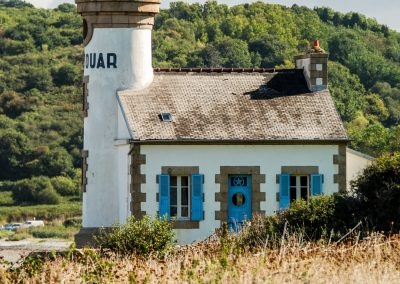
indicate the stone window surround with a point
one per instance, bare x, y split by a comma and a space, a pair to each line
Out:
137, 196
85, 103
296, 170
85, 155
222, 195
180, 171
340, 160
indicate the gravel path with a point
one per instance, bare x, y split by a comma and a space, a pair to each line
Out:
12, 251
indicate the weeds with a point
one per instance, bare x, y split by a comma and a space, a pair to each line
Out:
373, 259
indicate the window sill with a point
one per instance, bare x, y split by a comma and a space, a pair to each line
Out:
185, 224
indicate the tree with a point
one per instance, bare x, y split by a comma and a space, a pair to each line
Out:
56, 162
234, 53
15, 3
66, 75
209, 56
378, 190
66, 8
346, 90
13, 104
36, 190
272, 51
15, 151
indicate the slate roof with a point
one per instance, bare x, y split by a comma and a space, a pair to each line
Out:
264, 105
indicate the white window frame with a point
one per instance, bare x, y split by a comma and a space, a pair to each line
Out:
297, 186
179, 205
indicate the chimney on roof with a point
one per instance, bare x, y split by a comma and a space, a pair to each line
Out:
315, 67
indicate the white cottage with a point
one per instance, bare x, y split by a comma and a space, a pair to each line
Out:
200, 146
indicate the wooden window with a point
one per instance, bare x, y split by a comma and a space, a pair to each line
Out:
181, 197
296, 187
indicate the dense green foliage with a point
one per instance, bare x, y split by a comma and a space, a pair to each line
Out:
40, 119
377, 191
34, 190
41, 68
142, 237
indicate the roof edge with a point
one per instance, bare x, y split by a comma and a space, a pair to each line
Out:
360, 154
244, 142
227, 70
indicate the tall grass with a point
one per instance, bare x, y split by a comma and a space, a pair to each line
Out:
374, 259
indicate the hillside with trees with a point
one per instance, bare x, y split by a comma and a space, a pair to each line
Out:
41, 60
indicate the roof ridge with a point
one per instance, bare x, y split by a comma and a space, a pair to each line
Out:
226, 70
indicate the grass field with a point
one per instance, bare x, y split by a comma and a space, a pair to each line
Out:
9, 212
54, 217
375, 259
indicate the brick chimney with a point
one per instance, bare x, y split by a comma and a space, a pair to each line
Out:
315, 66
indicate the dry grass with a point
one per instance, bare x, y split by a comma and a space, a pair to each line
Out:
372, 260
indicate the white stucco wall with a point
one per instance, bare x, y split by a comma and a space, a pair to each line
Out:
125, 64
356, 162
209, 158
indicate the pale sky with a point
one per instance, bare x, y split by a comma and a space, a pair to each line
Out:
384, 11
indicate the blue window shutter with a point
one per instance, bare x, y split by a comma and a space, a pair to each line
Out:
284, 191
163, 196
197, 197
316, 184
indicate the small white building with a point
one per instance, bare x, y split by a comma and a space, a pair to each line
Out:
356, 162
199, 146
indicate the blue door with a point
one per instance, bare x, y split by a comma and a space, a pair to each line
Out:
239, 200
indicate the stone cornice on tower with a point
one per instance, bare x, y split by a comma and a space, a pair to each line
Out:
116, 14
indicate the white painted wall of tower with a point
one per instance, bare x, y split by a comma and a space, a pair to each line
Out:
115, 59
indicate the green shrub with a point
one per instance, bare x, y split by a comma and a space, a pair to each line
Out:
72, 222
378, 191
50, 232
6, 199
55, 162
314, 218
18, 236
48, 196
27, 190
64, 186
144, 236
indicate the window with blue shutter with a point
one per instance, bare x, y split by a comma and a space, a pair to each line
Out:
316, 184
284, 191
164, 196
181, 197
197, 198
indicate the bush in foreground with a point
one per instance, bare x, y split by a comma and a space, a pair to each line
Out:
321, 218
378, 191
143, 237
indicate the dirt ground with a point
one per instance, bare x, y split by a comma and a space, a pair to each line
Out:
13, 251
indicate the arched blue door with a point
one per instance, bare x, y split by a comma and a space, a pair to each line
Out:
239, 200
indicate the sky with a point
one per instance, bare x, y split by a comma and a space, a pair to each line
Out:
384, 11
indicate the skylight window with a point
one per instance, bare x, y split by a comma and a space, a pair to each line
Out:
166, 116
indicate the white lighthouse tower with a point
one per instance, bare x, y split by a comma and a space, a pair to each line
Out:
117, 40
